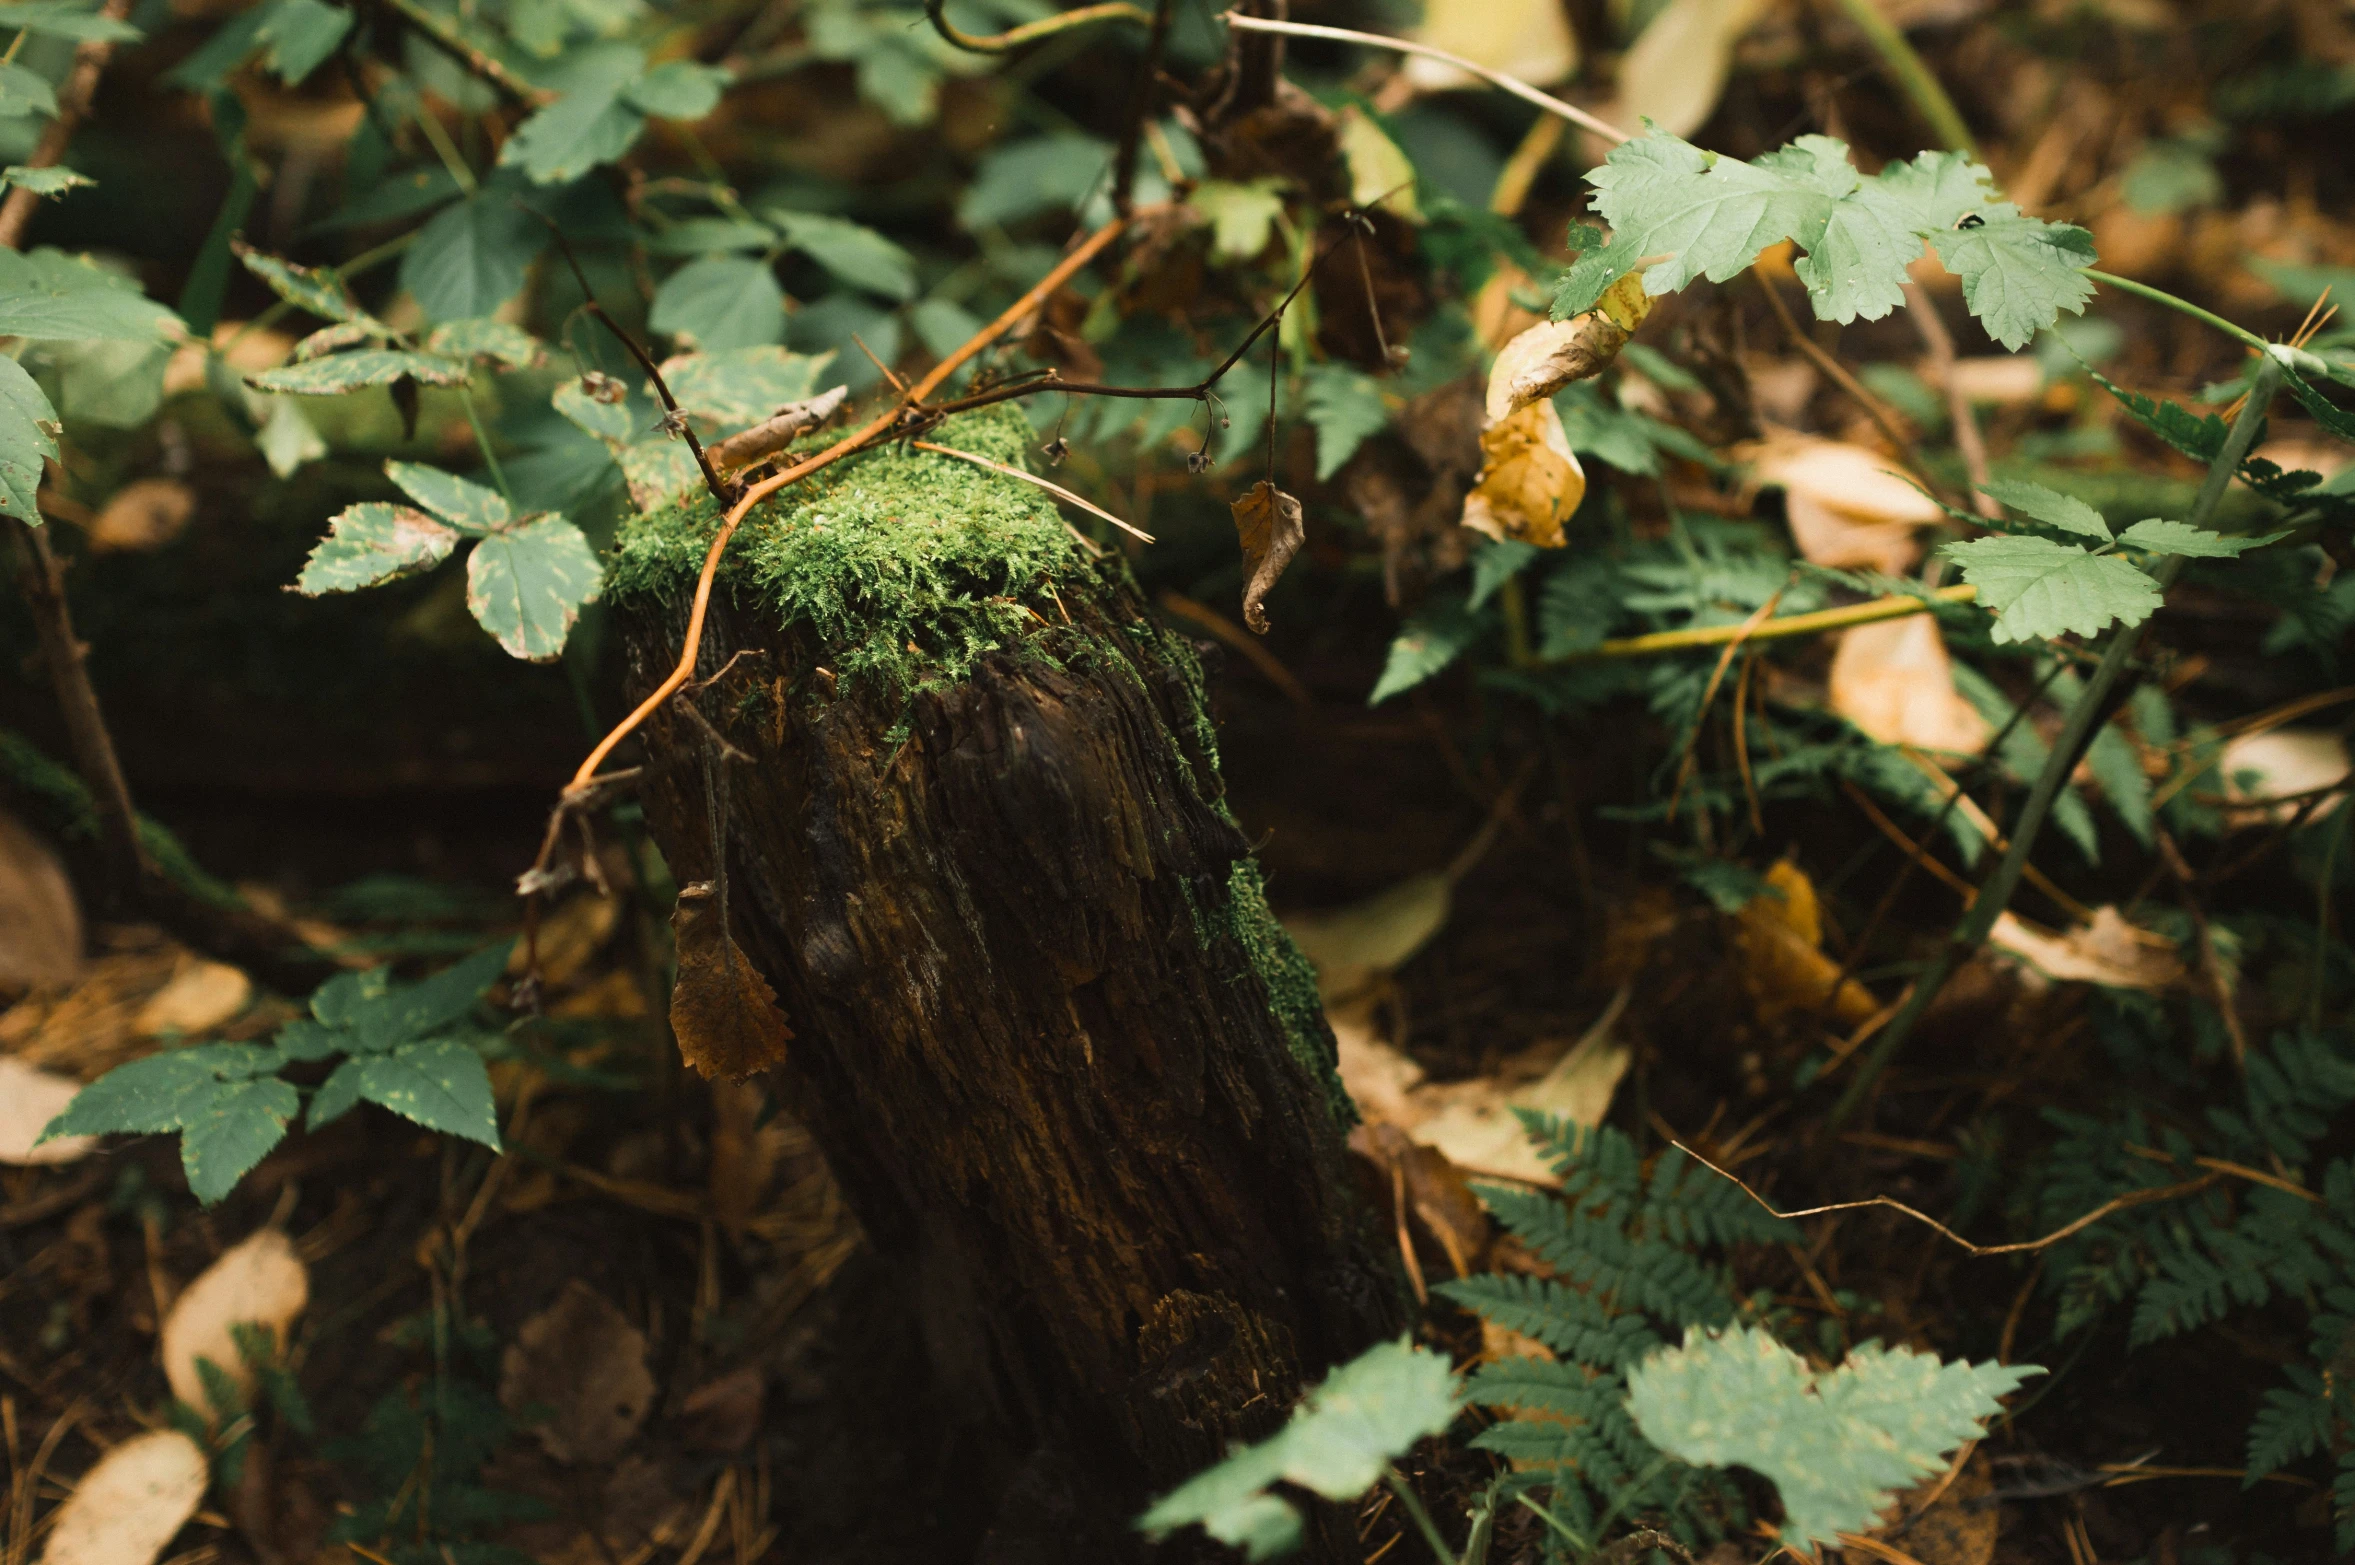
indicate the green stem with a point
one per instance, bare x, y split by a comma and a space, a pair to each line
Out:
482, 438
2062, 759
2185, 306
1914, 75
1421, 1518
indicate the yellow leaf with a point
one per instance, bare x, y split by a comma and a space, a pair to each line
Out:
1894, 681
1267, 522
1379, 174
1549, 356
1676, 69
1528, 39
1530, 480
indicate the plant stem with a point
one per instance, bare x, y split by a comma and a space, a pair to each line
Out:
2185, 306
1440, 1550
73, 103
482, 438
2076, 732
1914, 76
1808, 624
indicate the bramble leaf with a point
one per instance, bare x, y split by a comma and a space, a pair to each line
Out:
2160, 536
28, 437
742, 386
2050, 506
592, 123
373, 543
318, 289
24, 92
51, 295
469, 507
54, 180
337, 1096
473, 257
854, 253
491, 340
721, 302
224, 1133
439, 1083
2038, 588
342, 372
302, 36
678, 90
1837, 1445
68, 19
526, 585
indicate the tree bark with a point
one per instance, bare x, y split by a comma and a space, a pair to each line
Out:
1059, 1054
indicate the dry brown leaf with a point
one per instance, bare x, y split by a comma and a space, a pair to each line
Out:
249, 350
1847, 505
1267, 520
1780, 938
582, 1362
1552, 354
2278, 764
2109, 951
127, 1507
144, 514
261, 1282
723, 1415
1676, 69
29, 1100
1438, 1203
201, 996
1894, 681
1530, 480
2004, 379
40, 922
1959, 1526
571, 935
723, 1012
1352, 947
1526, 39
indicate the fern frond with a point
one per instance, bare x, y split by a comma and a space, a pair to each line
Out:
1571, 1322
2294, 1422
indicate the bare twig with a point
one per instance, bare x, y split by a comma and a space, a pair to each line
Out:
73, 103
444, 35
1140, 110
1884, 417
1968, 440
1055, 489
1032, 32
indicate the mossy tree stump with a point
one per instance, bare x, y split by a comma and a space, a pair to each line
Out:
1058, 1052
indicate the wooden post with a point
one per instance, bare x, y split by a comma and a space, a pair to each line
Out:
1054, 1045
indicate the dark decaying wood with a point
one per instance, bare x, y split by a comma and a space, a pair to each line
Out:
1030, 1030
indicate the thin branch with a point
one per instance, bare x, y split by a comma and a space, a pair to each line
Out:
1140, 110
1809, 624
72, 105
1055, 489
1883, 416
1031, 32
721, 489
1968, 439
444, 34
1518, 88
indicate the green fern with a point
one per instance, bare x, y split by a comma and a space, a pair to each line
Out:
1625, 1245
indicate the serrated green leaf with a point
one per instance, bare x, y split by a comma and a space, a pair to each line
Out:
336, 338
526, 586
1367, 1413
742, 386
721, 302
318, 289
2050, 507
439, 1083
301, 36
473, 257
225, 1133
1345, 406
1837, 1446
24, 92
1435, 636
2038, 588
570, 137
491, 340
405, 1013
2019, 274
372, 543
854, 253
337, 1096
678, 90
345, 998
608, 421
1019, 179
143, 1097
1241, 214
55, 180
308, 1040
465, 505
342, 372
2161, 536
708, 235
2197, 436
68, 19
28, 438
50, 295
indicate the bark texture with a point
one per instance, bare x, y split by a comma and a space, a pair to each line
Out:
1046, 1031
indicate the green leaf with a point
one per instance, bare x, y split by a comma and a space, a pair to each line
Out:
344, 372
742, 386
224, 1134
1496, 563
337, 1096
1019, 179
493, 341
345, 998
28, 437
2160, 536
573, 135
48, 294
107, 382
1837, 1446
55, 180
1367, 1414
526, 586
319, 289
24, 92
678, 90
474, 257
373, 543
1346, 408
1241, 214
2050, 507
335, 338
287, 438
146, 1096
302, 35
1435, 636
2197, 436
67, 19
608, 421
854, 253
405, 1013
2019, 274
2038, 588
439, 1083
721, 302
467, 506
707, 235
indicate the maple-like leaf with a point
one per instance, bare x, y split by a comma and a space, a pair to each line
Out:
2040, 589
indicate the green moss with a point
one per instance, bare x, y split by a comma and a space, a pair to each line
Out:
1291, 985
909, 566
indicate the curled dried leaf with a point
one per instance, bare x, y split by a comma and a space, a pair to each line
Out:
1550, 355
1267, 520
1530, 480
723, 1012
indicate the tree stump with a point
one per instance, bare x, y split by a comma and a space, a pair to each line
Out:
1058, 1052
